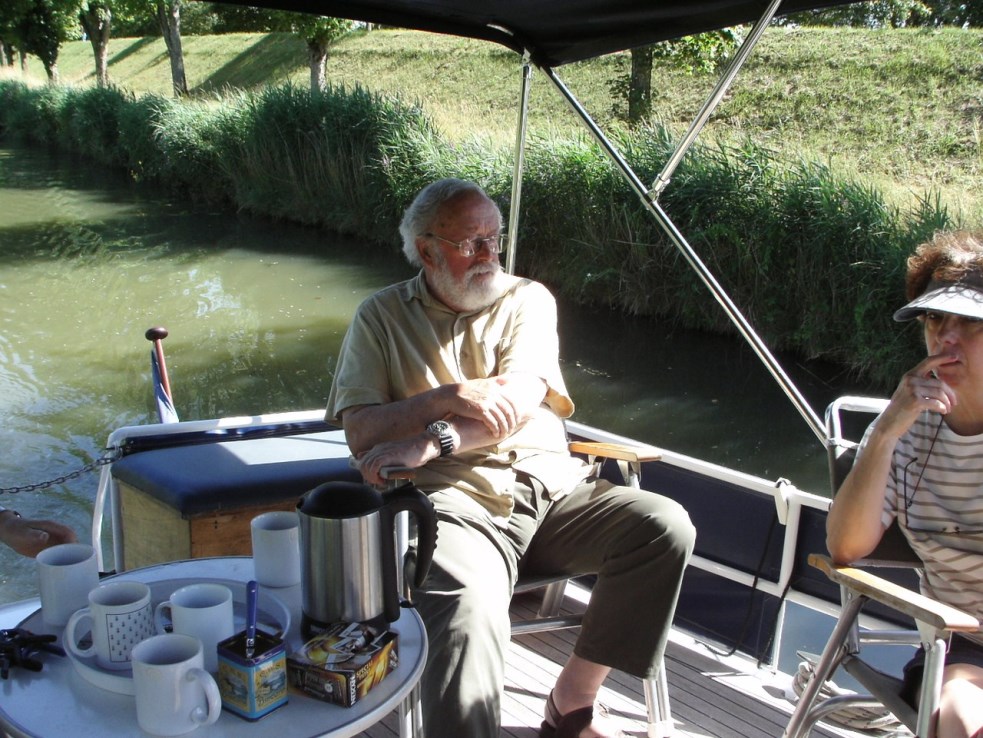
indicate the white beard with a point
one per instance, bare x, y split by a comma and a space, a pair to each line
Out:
481, 285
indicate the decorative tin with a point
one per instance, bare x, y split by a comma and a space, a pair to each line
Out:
252, 686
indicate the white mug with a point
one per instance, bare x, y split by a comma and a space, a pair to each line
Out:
121, 617
200, 610
66, 574
276, 548
174, 694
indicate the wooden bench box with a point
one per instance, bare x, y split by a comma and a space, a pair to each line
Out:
197, 500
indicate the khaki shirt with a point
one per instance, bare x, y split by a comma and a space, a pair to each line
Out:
402, 342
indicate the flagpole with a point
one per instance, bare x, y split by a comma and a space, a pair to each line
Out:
156, 336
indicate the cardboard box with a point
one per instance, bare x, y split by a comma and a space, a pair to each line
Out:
344, 662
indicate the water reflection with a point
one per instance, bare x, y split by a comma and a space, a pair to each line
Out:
705, 396
256, 313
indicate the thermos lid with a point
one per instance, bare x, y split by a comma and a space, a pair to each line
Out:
340, 500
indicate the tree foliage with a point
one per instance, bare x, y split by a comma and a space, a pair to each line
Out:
895, 14
702, 52
11, 29
41, 28
319, 33
871, 14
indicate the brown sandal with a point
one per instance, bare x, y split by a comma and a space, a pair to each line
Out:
571, 724
565, 726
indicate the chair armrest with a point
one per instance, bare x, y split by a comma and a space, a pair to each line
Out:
395, 473
617, 451
902, 599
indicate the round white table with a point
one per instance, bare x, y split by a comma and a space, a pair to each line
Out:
59, 701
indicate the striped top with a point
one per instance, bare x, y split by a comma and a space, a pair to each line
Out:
935, 492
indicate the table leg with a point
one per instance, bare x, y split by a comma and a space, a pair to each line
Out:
411, 715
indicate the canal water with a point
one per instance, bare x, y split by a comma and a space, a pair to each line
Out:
256, 312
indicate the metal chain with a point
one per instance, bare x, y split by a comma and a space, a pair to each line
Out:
102, 461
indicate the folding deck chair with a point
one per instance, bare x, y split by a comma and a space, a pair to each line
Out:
934, 622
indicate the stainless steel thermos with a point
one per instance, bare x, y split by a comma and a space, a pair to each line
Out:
347, 551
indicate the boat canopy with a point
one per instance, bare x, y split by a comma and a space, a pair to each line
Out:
553, 32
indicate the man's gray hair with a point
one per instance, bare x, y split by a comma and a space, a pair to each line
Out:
419, 216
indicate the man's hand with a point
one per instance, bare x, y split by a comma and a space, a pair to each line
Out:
31, 537
483, 411
485, 400
497, 402
412, 453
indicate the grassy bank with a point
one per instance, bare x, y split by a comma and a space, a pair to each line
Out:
900, 109
813, 254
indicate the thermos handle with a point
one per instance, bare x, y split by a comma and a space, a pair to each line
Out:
410, 499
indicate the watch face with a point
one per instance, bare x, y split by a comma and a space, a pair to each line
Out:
438, 426
440, 430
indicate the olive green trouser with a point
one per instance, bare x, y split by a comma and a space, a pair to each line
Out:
636, 542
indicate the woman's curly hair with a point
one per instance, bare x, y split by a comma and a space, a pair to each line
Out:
950, 257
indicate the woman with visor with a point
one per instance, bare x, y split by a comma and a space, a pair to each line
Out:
921, 463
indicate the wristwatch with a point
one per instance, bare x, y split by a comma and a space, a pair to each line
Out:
439, 429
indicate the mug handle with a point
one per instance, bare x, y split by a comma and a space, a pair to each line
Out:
159, 616
203, 715
70, 639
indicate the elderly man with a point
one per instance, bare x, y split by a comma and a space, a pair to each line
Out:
456, 373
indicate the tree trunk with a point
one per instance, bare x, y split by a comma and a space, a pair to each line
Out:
51, 69
640, 86
5, 57
169, 18
317, 56
97, 24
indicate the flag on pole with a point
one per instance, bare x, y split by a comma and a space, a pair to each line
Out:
165, 408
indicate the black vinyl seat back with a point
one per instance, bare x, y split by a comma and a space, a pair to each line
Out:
893, 546
842, 452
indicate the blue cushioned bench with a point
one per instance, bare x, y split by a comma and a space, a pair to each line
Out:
195, 500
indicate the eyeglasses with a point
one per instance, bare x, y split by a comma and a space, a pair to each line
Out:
471, 246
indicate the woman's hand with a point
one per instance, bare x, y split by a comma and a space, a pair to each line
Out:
919, 390
31, 537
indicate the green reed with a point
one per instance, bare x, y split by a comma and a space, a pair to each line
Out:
814, 259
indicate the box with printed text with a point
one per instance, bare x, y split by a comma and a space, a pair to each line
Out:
344, 662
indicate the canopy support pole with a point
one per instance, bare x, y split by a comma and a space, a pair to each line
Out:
662, 181
518, 163
705, 275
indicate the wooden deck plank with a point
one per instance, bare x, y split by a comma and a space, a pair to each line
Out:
709, 696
